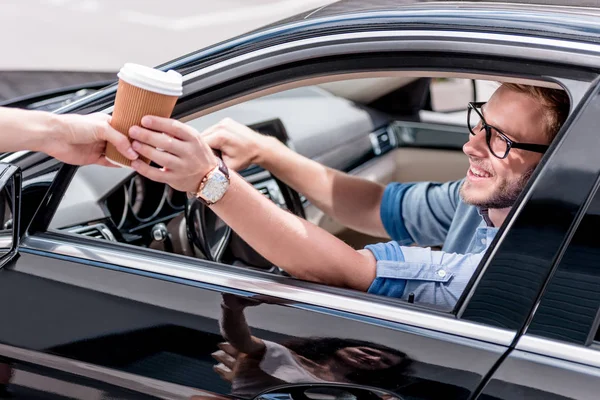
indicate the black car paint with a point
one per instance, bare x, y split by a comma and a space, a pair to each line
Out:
115, 317
121, 319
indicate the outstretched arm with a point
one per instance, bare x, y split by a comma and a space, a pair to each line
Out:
73, 139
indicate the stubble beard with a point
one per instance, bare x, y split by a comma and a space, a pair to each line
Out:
504, 196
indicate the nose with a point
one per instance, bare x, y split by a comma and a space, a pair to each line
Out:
477, 145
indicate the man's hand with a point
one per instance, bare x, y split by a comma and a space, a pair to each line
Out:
81, 140
226, 357
184, 156
240, 145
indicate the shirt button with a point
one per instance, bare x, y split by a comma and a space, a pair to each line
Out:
441, 273
483, 241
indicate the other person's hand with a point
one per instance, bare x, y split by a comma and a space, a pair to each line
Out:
81, 140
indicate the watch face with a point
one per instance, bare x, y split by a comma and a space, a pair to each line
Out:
215, 187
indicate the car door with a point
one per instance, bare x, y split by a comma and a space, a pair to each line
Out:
557, 355
148, 321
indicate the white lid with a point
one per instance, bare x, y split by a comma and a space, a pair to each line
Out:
169, 83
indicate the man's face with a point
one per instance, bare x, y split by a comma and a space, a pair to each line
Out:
496, 183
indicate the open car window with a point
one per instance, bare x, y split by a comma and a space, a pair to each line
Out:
381, 135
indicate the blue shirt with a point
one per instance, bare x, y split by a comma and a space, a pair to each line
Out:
429, 214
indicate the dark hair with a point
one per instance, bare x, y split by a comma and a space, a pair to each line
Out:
322, 349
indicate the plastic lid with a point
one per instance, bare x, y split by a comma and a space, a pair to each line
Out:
169, 83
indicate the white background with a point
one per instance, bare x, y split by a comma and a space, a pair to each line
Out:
101, 35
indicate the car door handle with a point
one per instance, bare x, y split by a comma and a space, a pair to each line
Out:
326, 391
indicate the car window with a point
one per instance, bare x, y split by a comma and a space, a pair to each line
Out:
442, 122
354, 126
570, 307
452, 94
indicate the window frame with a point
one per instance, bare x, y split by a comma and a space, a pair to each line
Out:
207, 88
541, 196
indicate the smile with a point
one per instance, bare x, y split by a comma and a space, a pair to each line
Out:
478, 173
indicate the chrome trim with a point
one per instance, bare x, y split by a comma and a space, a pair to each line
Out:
6, 241
196, 270
375, 143
427, 40
120, 379
560, 350
392, 135
101, 228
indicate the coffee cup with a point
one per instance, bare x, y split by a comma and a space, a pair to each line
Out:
141, 91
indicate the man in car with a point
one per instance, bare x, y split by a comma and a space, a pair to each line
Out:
514, 130
73, 139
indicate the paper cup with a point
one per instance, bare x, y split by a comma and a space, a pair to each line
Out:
141, 91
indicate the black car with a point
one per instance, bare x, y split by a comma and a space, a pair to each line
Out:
112, 285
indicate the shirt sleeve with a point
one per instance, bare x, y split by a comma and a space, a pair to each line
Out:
434, 277
419, 212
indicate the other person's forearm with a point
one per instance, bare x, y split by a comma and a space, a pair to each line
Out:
353, 201
295, 245
24, 129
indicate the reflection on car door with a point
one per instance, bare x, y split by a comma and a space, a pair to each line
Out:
142, 330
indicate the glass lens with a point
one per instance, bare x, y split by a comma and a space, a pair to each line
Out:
498, 145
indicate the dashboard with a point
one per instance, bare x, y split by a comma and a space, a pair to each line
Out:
117, 204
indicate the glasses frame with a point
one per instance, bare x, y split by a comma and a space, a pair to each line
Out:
510, 144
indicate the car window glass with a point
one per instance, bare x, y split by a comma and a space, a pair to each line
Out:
451, 94
570, 307
442, 121
381, 131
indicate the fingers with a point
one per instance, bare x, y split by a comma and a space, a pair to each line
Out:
224, 372
150, 172
120, 141
162, 158
224, 358
169, 126
229, 349
157, 139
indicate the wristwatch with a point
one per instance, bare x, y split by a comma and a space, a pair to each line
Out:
214, 185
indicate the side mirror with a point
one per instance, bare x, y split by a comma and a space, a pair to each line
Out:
10, 211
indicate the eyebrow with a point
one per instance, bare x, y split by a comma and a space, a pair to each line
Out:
510, 136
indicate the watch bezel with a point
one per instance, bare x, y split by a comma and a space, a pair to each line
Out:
210, 180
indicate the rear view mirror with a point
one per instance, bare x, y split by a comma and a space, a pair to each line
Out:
10, 204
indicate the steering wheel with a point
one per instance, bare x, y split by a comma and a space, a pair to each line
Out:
212, 236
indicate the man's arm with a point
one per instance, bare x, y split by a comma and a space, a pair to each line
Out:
234, 327
299, 247
353, 201
74, 139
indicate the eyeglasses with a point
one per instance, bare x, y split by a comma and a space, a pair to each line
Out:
498, 143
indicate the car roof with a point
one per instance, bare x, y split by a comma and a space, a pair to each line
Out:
353, 6
577, 20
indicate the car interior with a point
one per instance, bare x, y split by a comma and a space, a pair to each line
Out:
382, 126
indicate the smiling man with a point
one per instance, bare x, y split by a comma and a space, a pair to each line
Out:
508, 136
